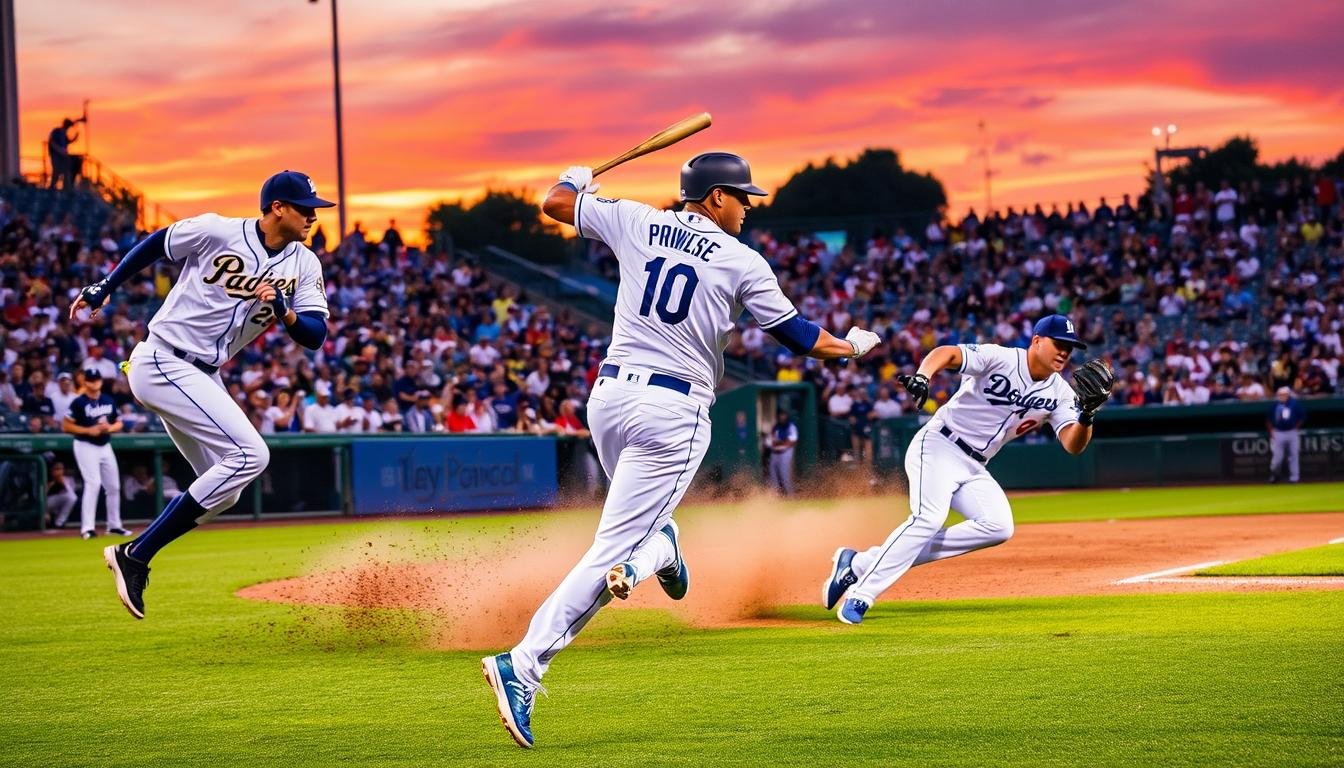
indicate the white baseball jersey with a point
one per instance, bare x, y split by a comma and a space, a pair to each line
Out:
999, 401
684, 282
210, 311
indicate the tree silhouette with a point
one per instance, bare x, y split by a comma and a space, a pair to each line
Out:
872, 184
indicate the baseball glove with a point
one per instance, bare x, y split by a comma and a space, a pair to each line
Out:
1092, 383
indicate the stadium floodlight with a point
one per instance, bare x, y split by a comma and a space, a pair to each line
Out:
340, 132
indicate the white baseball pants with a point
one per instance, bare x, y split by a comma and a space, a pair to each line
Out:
206, 425
98, 466
941, 477
650, 441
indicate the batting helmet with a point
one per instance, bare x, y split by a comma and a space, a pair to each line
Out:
702, 173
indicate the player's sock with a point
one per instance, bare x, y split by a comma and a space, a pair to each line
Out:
176, 519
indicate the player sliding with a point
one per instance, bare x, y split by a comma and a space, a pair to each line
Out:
238, 277
1005, 393
684, 281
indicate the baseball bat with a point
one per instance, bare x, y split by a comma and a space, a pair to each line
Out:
664, 138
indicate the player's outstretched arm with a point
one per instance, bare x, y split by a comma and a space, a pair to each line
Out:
1075, 437
146, 252
946, 356
560, 201
804, 337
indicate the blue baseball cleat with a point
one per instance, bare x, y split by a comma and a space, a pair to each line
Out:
842, 578
675, 579
852, 611
512, 697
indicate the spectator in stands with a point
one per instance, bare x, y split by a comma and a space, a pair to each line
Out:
320, 417
459, 420
505, 406
392, 242
58, 149
60, 495
391, 416
37, 404
1285, 439
885, 407
96, 362
419, 418
370, 418
64, 395
568, 422
349, 414
281, 414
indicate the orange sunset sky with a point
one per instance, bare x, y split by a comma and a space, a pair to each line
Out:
196, 103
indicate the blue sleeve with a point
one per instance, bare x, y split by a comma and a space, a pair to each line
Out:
146, 252
309, 329
798, 334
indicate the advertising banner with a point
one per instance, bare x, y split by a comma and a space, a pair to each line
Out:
441, 474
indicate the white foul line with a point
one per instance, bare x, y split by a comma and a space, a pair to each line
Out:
1340, 540
1168, 572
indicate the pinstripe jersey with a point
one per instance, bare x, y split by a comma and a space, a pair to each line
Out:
684, 282
210, 311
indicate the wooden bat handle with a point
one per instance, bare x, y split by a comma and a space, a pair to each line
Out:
664, 138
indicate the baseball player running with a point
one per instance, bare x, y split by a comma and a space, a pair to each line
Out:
684, 279
238, 277
92, 420
1005, 393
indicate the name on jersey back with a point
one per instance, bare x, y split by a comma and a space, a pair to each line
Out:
681, 239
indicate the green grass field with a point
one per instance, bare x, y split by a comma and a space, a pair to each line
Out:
212, 680
1316, 561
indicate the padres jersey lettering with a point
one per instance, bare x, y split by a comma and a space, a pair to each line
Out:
210, 312
86, 412
998, 400
684, 282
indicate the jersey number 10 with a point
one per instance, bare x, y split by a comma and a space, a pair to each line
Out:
670, 315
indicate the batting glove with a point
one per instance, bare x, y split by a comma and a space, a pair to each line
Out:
862, 341
918, 387
96, 295
280, 306
580, 177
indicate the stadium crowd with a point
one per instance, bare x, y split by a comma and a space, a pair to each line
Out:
417, 343
1230, 295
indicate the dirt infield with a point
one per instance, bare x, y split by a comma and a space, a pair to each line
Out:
482, 593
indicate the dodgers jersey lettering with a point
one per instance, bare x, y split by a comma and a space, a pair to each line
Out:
86, 412
683, 283
998, 400
210, 311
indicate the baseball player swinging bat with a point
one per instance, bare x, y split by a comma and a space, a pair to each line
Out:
664, 138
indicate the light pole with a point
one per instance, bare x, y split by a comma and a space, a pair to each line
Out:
1158, 132
340, 137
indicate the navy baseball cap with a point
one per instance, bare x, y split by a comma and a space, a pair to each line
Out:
1059, 328
93, 374
291, 187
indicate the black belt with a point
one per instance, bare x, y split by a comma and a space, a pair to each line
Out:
963, 445
655, 379
209, 370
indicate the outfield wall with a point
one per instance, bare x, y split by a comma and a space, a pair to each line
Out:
1222, 457
380, 474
